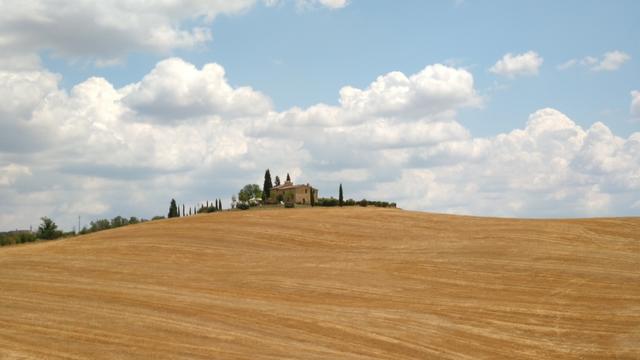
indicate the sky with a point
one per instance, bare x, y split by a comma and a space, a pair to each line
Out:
499, 108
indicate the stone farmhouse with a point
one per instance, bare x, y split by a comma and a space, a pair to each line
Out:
298, 194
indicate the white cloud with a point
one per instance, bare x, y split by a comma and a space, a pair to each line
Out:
175, 90
306, 4
552, 167
610, 61
434, 90
332, 4
397, 139
510, 65
106, 31
567, 64
635, 104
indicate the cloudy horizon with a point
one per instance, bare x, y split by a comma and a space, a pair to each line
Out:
115, 108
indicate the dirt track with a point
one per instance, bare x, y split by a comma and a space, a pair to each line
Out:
328, 284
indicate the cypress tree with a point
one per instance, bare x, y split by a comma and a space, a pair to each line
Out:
340, 197
183, 212
288, 178
277, 183
173, 209
266, 187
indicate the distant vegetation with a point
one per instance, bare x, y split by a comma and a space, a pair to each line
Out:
329, 202
105, 224
249, 196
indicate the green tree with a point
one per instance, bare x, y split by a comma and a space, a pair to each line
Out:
119, 221
250, 191
48, 230
277, 182
312, 199
173, 209
266, 188
340, 196
288, 178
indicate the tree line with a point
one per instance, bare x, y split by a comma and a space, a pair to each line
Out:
203, 208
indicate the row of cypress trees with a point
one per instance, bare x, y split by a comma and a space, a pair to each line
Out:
174, 210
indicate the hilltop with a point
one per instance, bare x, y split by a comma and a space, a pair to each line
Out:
322, 283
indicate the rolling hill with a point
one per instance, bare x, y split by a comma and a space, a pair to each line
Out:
328, 283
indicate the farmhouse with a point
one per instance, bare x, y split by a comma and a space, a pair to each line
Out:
298, 194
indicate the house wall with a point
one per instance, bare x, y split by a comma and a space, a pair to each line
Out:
300, 195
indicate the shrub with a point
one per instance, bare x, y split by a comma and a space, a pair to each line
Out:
157, 218
48, 230
289, 204
242, 206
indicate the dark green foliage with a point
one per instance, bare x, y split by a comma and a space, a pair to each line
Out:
134, 220
173, 209
289, 204
249, 192
312, 199
351, 202
242, 206
119, 221
48, 230
266, 188
99, 225
327, 202
340, 196
288, 178
277, 182
16, 237
158, 217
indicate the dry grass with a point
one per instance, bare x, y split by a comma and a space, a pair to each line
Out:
328, 284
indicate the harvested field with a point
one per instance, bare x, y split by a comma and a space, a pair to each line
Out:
331, 283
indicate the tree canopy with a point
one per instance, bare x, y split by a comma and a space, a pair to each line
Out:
250, 191
266, 188
173, 209
48, 230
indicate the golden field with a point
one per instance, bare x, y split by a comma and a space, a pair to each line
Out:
328, 283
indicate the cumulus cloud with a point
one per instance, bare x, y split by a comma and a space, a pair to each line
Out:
610, 61
175, 90
110, 152
106, 31
551, 167
435, 89
526, 64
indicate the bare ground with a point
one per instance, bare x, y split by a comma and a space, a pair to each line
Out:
348, 283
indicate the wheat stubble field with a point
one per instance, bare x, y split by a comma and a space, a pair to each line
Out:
352, 283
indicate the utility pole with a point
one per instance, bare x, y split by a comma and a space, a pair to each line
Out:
78, 225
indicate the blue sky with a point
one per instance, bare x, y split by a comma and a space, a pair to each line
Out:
532, 105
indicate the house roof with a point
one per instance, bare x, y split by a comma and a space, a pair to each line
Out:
287, 187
